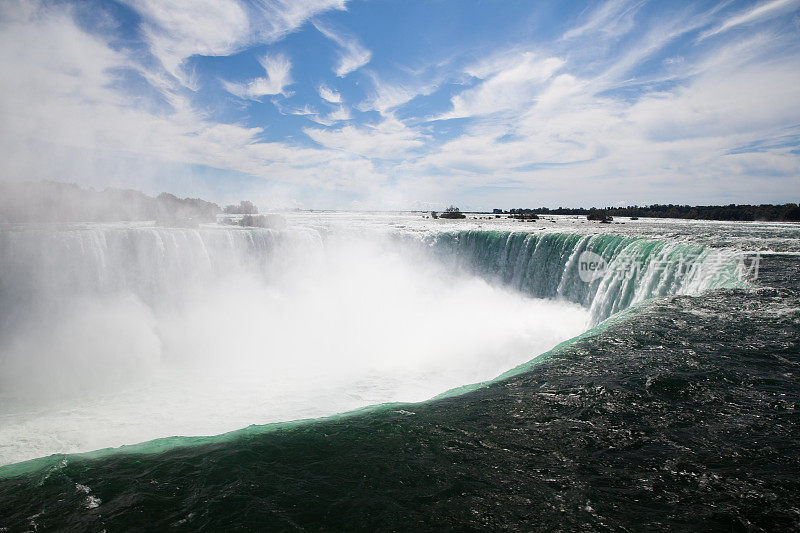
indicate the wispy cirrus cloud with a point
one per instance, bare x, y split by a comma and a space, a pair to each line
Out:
389, 139
386, 96
329, 95
66, 102
278, 69
600, 129
353, 55
340, 114
627, 102
611, 18
179, 29
760, 12
506, 89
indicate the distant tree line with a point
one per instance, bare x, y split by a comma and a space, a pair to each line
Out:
744, 212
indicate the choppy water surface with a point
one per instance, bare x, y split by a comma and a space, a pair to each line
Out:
679, 412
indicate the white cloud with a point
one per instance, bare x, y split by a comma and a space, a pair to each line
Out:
613, 18
655, 39
306, 110
182, 28
278, 69
568, 136
329, 95
507, 89
760, 12
386, 97
353, 55
747, 100
515, 78
65, 102
340, 114
536, 119
179, 29
388, 139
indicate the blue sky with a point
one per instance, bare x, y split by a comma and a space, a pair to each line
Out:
400, 104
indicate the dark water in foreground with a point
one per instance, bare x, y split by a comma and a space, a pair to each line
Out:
684, 417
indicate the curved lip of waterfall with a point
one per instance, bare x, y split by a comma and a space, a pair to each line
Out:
56, 461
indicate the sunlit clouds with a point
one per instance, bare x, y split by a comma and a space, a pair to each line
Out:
359, 104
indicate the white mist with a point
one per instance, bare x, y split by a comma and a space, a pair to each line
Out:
301, 330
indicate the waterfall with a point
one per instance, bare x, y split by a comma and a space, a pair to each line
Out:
115, 334
547, 265
38, 265
152, 262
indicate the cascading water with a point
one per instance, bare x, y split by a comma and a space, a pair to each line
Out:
118, 334
547, 265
